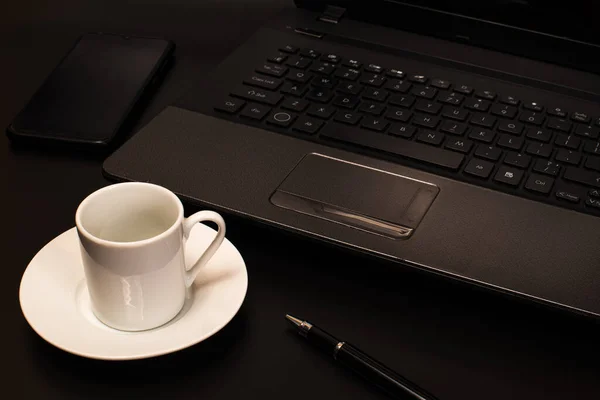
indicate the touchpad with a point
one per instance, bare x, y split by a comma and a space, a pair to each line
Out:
356, 195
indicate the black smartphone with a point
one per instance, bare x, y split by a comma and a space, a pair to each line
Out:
87, 99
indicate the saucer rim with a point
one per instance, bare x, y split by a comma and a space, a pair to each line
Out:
145, 355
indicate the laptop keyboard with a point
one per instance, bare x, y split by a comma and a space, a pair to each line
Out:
539, 151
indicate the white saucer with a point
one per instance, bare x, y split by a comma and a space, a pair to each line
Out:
55, 301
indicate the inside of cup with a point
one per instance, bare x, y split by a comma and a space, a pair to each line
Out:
129, 212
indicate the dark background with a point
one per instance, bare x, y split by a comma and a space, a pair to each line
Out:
457, 342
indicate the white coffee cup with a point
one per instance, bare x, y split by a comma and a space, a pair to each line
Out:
132, 238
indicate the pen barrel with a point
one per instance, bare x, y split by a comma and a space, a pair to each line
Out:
380, 375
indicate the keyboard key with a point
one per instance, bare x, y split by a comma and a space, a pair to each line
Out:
289, 49
374, 94
580, 117
294, 89
546, 167
542, 135
557, 111
539, 183
451, 98
455, 128
593, 163
464, 89
425, 121
272, 69
325, 68
483, 135
488, 152
298, 62
477, 104
297, 75
402, 130
517, 159
258, 95
503, 110
592, 147
255, 111
455, 113
459, 144
376, 69
320, 111
431, 137
559, 124
568, 141
281, 118
349, 88
424, 91
417, 78
372, 108
331, 58
402, 100
428, 107
393, 145
277, 58
307, 125
486, 94
347, 117
230, 105
484, 120
292, 104
398, 114
510, 127
479, 168
532, 117
323, 82
509, 176
398, 86
585, 177
345, 101
533, 106
568, 156
510, 100
347, 73
374, 123
587, 131
319, 95
395, 73
440, 83
310, 53
570, 197
263, 81
373, 80
511, 142
352, 64
595, 203
539, 149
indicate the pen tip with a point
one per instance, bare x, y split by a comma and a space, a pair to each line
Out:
293, 320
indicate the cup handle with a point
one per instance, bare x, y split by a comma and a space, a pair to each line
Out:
188, 224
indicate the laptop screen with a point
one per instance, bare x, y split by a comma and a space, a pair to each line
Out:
566, 33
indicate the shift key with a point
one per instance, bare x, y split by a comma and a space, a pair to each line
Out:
393, 145
258, 95
582, 176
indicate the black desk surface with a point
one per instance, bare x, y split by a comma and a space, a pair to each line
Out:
457, 342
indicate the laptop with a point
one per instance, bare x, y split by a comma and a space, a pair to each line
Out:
458, 138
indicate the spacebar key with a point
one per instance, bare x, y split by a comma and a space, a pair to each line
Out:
397, 146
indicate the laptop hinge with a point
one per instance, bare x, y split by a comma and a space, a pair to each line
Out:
332, 14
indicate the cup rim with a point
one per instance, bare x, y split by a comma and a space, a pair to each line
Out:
137, 243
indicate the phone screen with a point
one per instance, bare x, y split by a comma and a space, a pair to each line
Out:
89, 94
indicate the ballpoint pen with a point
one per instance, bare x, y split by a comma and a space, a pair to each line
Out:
380, 375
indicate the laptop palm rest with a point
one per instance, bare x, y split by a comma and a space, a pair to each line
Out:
356, 195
